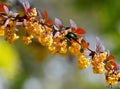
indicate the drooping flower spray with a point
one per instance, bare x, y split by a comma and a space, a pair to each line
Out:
58, 38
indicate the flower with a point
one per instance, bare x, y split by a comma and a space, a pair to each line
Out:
10, 32
75, 48
60, 48
46, 39
110, 63
97, 63
83, 62
33, 28
33, 12
27, 39
59, 44
2, 28
112, 78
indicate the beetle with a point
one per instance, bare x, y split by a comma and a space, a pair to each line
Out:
71, 36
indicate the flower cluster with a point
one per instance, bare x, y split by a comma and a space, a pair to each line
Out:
58, 38
83, 62
97, 62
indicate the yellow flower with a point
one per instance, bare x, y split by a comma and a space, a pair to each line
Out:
83, 62
33, 12
46, 39
75, 48
33, 28
62, 47
27, 39
52, 49
58, 47
112, 78
2, 30
10, 32
97, 62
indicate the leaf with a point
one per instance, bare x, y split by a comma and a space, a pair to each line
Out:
2, 7
58, 22
99, 46
55, 28
111, 57
86, 45
6, 9
49, 22
80, 31
118, 67
28, 10
56, 34
24, 7
45, 14
27, 4
73, 24
113, 64
6, 23
39, 14
25, 22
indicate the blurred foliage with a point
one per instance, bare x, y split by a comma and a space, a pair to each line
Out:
3, 1
9, 60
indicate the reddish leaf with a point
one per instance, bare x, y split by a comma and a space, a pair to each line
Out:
86, 45
49, 22
28, 10
111, 57
73, 30
80, 31
114, 64
45, 14
2, 10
